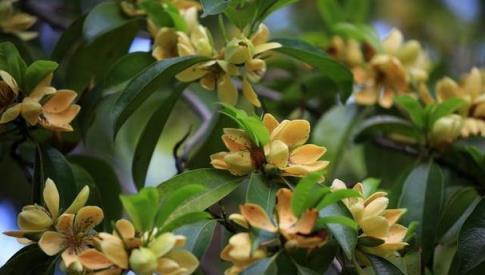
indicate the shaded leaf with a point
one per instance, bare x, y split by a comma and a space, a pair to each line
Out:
301, 199
260, 192
29, 260
213, 7
345, 236
175, 199
200, 236
383, 267
12, 62
36, 72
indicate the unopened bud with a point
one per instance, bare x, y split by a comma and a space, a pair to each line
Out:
446, 129
143, 261
238, 50
201, 41
409, 52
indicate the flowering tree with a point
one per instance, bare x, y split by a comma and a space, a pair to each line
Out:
256, 190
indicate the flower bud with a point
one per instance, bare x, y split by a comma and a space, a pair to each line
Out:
34, 218
446, 129
409, 52
201, 41
7, 95
143, 261
238, 50
239, 163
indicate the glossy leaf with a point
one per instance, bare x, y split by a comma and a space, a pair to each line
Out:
36, 72
189, 218
382, 266
319, 59
175, 199
266, 266
342, 220
422, 196
252, 125
142, 208
260, 192
370, 186
413, 109
345, 236
151, 134
445, 108
29, 260
146, 82
302, 193
213, 7
385, 124
200, 236
12, 62
336, 196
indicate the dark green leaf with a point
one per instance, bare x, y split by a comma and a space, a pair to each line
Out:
345, 236
185, 219
104, 18
174, 199
384, 267
307, 262
370, 241
336, 196
142, 86
384, 124
266, 266
319, 59
422, 196
370, 186
217, 183
36, 72
252, 125
413, 109
142, 208
178, 20
213, 7
471, 243
342, 220
69, 38
260, 192
157, 13
200, 236
445, 108
106, 182
12, 62
302, 193
151, 134
330, 12
29, 260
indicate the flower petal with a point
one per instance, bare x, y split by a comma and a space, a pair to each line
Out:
52, 242
93, 259
51, 197
277, 153
162, 244
226, 91
114, 249
307, 154
7, 78
236, 140
65, 224
60, 101
301, 170
270, 122
306, 222
257, 217
473, 83
294, 132
186, 260
392, 42
265, 47
31, 110
60, 121
239, 163
250, 94
375, 226
11, 113
286, 218
217, 161
190, 74
125, 228
79, 201
87, 218
34, 218
376, 207
447, 88
393, 215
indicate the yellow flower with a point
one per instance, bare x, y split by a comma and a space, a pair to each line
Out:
389, 73
297, 231
286, 150
164, 255
55, 114
72, 236
375, 220
33, 220
238, 251
15, 22
9, 90
446, 129
348, 52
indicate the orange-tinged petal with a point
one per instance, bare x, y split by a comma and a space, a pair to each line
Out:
300, 170
51, 197
305, 224
447, 88
270, 122
367, 96
376, 207
385, 100
52, 243
393, 215
93, 259
87, 218
71, 259
424, 94
60, 101
113, 248
186, 261
125, 228
65, 224
217, 161
257, 217
31, 110
397, 233
294, 132
307, 154
375, 226
236, 140
286, 218
60, 121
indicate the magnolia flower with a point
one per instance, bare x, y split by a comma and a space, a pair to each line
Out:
390, 72
15, 22
472, 90
297, 231
286, 151
72, 236
446, 129
55, 114
163, 255
348, 52
239, 252
375, 220
33, 220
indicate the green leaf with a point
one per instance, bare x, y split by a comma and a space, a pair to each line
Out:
335, 130
200, 236
217, 183
36, 72
156, 13
329, 12
106, 182
29, 260
252, 125
383, 267
175, 199
359, 32
145, 83
319, 59
185, 219
266, 266
342, 220
345, 236
213, 7
260, 192
302, 193
413, 109
70, 37
316, 261
126, 68
178, 20
370, 241
370, 186
470, 253
142, 208
104, 18
336, 196
385, 124
422, 195
12, 62
445, 108
151, 134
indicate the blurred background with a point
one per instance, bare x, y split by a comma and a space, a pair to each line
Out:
451, 31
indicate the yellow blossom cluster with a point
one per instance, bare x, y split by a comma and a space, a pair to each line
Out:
286, 151
297, 232
52, 109
375, 220
15, 22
